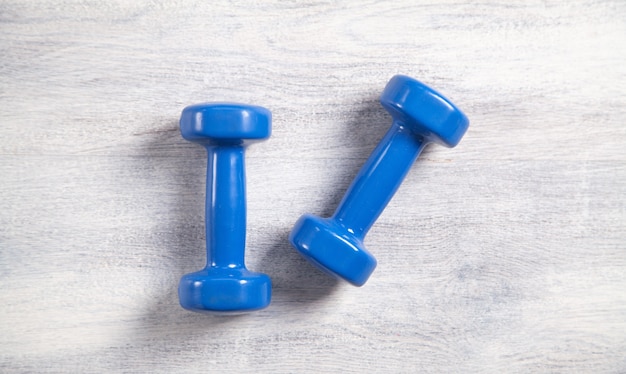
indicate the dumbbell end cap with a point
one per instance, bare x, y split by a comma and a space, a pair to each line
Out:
332, 249
427, 112
225, 123
225, 291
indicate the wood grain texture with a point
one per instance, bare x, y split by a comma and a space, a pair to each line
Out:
505, 254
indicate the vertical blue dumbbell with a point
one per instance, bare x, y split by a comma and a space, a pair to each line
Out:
225, 285
420, 116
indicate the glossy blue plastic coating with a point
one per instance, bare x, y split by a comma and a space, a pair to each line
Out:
420, 116
225, 285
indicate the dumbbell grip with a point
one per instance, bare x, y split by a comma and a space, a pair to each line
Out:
378, 179
225, 215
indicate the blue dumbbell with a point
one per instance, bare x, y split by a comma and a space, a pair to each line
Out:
225, 285
420, 116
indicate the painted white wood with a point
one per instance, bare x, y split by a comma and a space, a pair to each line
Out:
505, 254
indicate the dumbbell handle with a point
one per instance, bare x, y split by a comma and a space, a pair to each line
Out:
378, 179
225, 215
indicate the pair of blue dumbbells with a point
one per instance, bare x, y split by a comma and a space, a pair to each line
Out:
335, 244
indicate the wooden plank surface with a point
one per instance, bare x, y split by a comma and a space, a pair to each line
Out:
505, 254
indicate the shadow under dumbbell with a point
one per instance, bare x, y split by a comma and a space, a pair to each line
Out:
178, 168
295, 282
367, 125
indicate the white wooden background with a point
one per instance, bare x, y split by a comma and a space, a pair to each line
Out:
505, 254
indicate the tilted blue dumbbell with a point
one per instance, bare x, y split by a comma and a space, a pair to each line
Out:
420, 116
